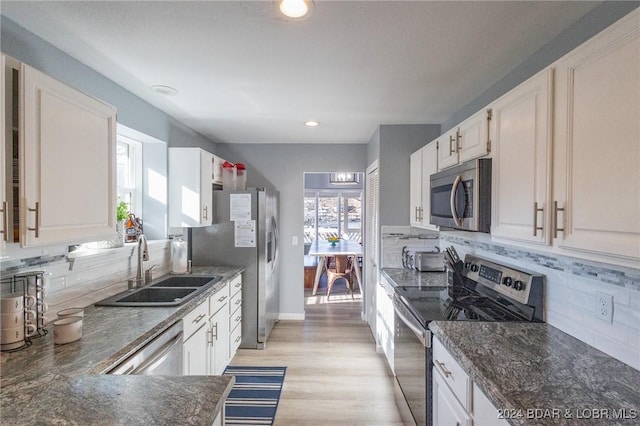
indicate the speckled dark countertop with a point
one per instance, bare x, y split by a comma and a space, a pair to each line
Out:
413, 278
61, 384
531, 368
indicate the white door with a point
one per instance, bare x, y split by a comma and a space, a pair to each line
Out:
597, 143
68, 173
194, 353
371, 246
521, 135
415, 188
473, 137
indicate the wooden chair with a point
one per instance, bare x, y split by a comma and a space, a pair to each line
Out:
342, 269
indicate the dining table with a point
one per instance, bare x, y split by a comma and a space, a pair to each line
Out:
323, 249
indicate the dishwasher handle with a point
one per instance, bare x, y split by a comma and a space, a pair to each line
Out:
159, 357
162, 355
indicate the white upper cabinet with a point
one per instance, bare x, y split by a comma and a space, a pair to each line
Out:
469, 140
190, 187
473, 136
217, 169
423, 163
521, 137
4, 213
597, 144
68, 163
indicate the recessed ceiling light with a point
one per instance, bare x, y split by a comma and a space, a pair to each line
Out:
311, 123
294, 8
165, 90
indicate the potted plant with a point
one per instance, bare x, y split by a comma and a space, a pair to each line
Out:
122, 213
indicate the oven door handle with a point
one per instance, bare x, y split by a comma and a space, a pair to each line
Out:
423, 335
454, 189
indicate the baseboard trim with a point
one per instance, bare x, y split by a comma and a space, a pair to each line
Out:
295, 317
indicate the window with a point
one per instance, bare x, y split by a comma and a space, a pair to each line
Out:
129, 176
328, 213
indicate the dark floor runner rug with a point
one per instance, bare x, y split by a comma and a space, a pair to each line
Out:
255, 395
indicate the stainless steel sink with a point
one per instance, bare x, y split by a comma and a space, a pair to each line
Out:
171, 291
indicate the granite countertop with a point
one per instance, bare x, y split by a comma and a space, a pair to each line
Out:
542, 375
413, 278
50, 383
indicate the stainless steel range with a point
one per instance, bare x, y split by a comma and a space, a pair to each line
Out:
478, 290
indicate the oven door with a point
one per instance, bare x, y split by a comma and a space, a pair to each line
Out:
412, 361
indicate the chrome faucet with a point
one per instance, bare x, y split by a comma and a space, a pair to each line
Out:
143, 254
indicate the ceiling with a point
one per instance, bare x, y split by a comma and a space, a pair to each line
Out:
245, 74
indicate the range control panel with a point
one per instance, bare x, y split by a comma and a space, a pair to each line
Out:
507, 280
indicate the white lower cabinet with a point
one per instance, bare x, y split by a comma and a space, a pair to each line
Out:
385, 322
194, 353
218, 340
447, 410
456, 399
212, 331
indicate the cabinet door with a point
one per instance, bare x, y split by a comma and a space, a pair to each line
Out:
473, 136
415, 188
68, 172
521, 135
217, 169
429, 167
448, 149
446, 408
4, 214
484, 412
206, 187
194, 352
385, 322
219, 340
190, 187
597, 143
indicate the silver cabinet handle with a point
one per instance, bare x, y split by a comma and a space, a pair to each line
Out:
555, 219
238, 318
537, 228
205, 212
458, 139
5, 221
222, 299
198, 318
442, 368
238, 339
216, 335
239, 301
210, 336
37, 212
451, 149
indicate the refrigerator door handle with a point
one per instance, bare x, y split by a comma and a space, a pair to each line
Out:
276, 238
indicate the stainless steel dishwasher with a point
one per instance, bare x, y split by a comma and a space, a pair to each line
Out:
161, 356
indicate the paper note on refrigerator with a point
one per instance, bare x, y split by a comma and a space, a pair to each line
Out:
245, 233
240, 207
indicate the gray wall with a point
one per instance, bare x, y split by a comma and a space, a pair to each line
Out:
397, 143
283, 166
588, 26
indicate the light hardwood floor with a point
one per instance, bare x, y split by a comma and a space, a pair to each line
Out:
334, 375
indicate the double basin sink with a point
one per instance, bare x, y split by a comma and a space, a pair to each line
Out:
170, 291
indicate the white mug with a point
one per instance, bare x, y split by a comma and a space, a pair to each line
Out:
11, 319
16, 334
16, 302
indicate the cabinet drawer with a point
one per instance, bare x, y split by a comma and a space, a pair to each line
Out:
236, 301
453, 374
195, 319
234, 340
218, 300
235, 285
235, 318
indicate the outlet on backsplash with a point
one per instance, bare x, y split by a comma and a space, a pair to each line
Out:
604, 307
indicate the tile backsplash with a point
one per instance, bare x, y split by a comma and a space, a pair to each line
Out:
81, 279
571, 291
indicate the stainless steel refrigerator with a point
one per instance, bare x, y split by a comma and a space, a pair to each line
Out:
245, 233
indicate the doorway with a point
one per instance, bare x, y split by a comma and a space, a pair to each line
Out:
330, 210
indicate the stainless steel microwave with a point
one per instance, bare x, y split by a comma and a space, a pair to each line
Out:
461, 196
